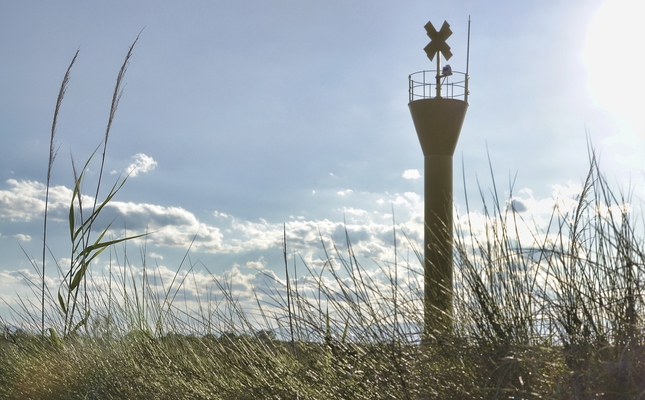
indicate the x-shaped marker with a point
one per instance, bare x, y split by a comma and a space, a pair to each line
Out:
438, 41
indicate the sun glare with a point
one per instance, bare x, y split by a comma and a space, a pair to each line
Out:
613, 55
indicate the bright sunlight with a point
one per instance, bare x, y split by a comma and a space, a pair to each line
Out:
613, 57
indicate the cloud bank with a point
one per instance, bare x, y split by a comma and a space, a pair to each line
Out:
370, 233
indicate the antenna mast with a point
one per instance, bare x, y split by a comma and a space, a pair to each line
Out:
467, 62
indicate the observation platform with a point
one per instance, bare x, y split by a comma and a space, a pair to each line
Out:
423, 85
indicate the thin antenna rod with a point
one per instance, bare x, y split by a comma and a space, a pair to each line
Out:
438, 94
467, 62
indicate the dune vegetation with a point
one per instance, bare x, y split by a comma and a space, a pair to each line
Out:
557, 314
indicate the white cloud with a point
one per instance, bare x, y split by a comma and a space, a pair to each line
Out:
170, 226
411, 174
140, 165
22, 282
25, 200
369, 232
10, 279
22, 237
176, 227
260, 264
21, 202
354, 211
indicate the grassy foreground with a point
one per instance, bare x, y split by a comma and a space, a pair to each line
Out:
557, 314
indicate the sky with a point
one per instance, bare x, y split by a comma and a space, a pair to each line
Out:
238, 118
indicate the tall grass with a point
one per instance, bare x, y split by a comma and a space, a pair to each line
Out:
84, 248
50, 165
553, 312
576, 288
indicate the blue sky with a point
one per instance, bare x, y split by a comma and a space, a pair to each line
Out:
241, 116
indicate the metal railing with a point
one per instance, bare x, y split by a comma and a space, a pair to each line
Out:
423, 85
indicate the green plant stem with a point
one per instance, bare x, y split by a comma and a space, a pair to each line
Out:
50, 165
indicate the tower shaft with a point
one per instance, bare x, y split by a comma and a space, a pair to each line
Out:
438, 123
438, 242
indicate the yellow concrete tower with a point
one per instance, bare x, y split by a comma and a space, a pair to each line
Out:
438, 104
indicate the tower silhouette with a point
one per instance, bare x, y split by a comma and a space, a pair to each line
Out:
438, 104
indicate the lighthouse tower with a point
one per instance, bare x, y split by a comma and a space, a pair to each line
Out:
438, 104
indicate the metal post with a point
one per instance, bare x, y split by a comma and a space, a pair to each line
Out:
438, 76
